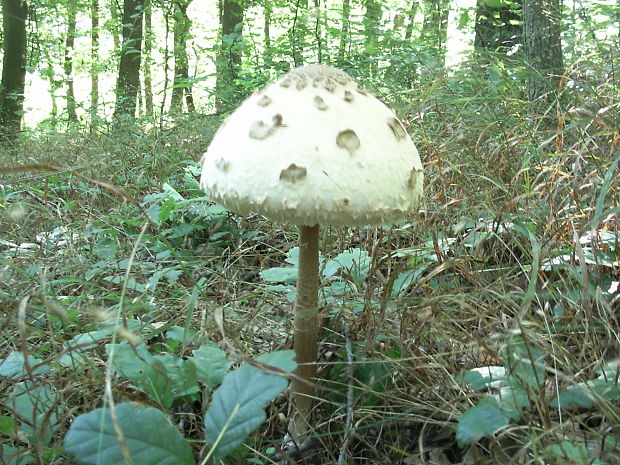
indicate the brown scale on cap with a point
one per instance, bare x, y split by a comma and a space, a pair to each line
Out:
348, 96
347, 139
261, 130
320, 103
293, 173
397, 128
264, 101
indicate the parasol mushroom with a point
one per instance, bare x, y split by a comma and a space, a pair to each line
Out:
313, 149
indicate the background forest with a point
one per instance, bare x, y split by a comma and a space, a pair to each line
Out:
482, 330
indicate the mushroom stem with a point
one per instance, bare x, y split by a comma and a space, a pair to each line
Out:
306, 329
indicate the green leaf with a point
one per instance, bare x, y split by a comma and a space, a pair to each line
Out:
211, 364
237, 406
483, 420
7, 425
280, 274
37, 407
355, 261
567, 452
14, 365
14, 456
182, 335
584, 394
485, 377
525, 363
130, 361
150, 437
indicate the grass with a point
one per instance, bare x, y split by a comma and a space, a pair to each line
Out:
517, 243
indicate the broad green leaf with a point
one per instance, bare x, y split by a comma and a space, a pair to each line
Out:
130, 361
237, 406
37, 406
480, 421
525, 363
181, 373
355, 261
14, 365
211, 364
7, 425
15, 456
485, 377
182, 335
150, 437
567, 452
280, 274
584, 394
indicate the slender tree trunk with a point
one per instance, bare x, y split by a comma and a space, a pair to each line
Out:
318, 35
298, 32
146, 61
543, 47
268, 54
115, 14
227, 91
372, 18
68, 65
14, 16
435, 28
94, 56
181, 86
128, 83
498, 27
344, 31
413, 10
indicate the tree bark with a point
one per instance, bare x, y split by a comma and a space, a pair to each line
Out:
498, 28
435, 28
413, 10
14, 16
298, 32
181, 86
94, 57
543, 47
146, 59
372, 19
227, 91
268, 53
345, 40
68, 64
128, 83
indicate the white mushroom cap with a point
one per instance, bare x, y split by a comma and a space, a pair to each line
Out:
314, 148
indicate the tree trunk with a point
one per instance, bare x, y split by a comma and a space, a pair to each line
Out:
344, 31
94, 56
68, 65
372, 20
181, 86
227, 90
498, 28
298, 32
116, 24
128, 83
435, 28
413, 10
268, 54
14, 16
146, 61
543, 47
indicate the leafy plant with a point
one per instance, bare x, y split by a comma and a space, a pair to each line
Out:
145, 435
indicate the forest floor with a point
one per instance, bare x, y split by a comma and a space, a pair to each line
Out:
511, 268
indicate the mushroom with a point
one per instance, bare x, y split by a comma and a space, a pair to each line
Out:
313, 149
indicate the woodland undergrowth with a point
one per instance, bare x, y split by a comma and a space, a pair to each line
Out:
500, 297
